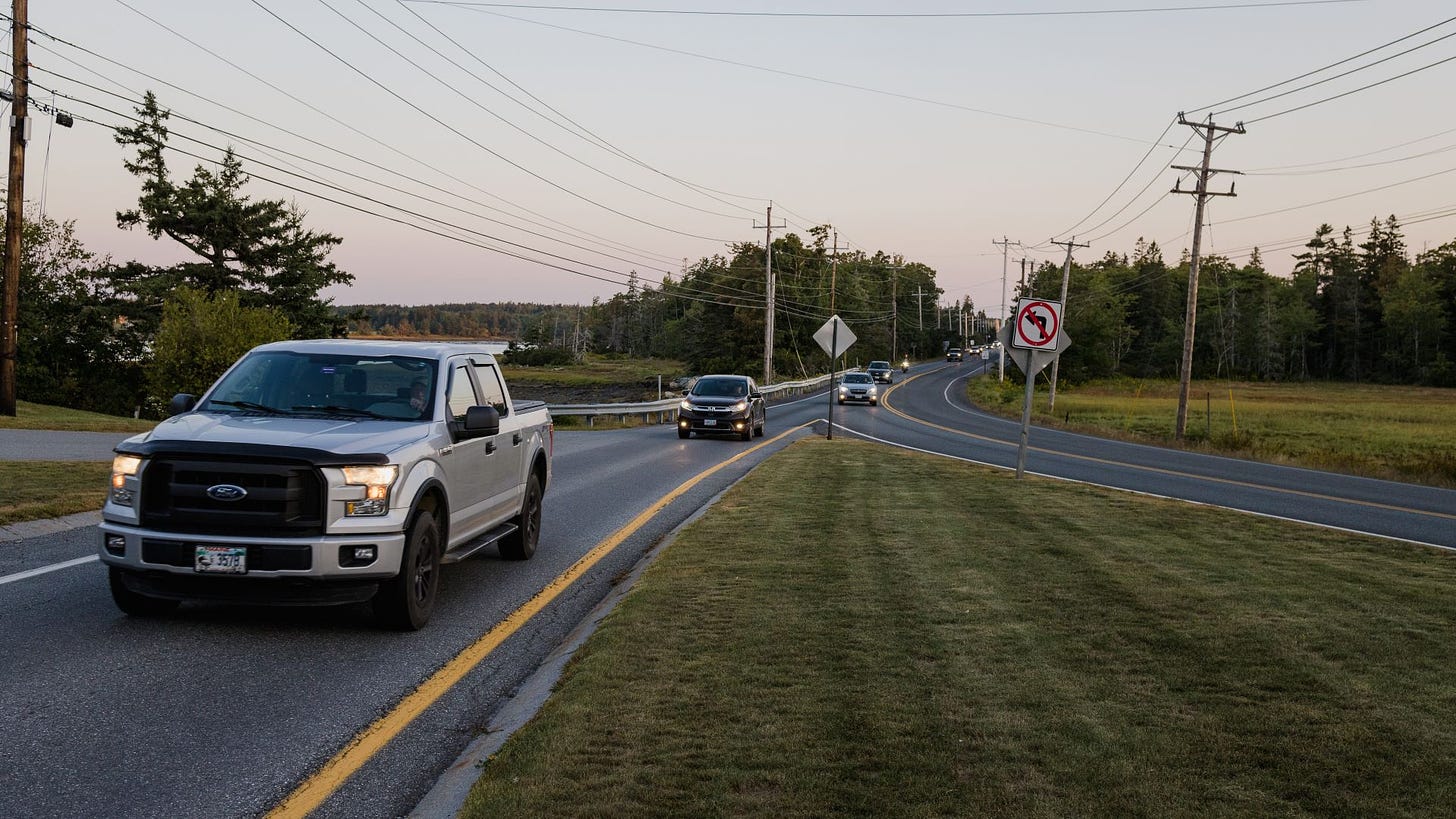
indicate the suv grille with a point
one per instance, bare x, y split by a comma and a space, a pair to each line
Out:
282, 499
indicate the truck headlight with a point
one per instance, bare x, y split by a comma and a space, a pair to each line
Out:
685, 405
376, 481
740, 406
123, 467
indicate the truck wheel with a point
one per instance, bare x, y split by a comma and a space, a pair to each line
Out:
134, 603
758, 430
747, 433
683, 433
521, 544
406, 600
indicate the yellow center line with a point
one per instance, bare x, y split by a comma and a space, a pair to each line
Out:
884, 402
313, 791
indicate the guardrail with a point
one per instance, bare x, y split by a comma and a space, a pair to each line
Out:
669, 405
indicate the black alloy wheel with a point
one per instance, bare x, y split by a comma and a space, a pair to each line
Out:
521, 544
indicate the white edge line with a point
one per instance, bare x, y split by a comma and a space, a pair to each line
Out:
1329, 526
54, 567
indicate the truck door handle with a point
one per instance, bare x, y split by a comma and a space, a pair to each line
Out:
489, 447
516, 439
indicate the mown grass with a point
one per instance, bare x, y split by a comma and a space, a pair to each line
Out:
1399, 433
857, 631
32, 490
43, 416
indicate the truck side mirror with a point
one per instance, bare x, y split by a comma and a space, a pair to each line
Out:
481, 422
181, 402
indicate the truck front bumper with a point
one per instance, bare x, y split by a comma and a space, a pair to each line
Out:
328, 558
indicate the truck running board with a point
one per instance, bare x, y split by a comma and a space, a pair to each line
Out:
465, 550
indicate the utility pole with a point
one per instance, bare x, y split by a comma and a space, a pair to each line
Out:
1066, 276
14, 208
1022, 286
1005, 251
894, 316
768, 285
833, 271
1201, 194
919, 309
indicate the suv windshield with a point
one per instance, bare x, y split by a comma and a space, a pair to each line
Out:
856, 378
278, 382
879, 365
721, 387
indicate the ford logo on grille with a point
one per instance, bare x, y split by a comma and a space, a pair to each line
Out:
226, 492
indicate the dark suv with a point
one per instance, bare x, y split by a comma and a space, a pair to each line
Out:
881, 371
723, 405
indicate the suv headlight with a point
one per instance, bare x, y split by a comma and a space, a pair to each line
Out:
376, 481
740, 406
687, 405
123, 467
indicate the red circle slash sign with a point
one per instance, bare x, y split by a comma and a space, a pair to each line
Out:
1036, 324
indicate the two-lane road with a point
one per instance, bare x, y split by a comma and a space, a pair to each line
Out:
225, 711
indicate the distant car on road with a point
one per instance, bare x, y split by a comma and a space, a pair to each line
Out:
953, 354
858, 387
722, 405
881, 371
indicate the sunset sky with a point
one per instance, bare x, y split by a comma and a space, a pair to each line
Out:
634, 136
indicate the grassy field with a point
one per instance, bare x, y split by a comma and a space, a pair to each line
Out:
33, 490
1400, 433
42, 416
918, 637
598, 371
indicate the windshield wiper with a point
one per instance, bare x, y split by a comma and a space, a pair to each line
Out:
249, 405
335, 409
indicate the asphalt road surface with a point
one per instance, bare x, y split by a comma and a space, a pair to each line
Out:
223, 711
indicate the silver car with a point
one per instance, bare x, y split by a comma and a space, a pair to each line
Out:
858, 387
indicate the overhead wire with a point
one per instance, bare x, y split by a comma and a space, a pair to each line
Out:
481, 106
473, 141
880, 15
352, 129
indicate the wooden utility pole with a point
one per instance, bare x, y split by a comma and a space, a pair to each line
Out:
1201, 194
920, 308
1066, 277
14, 209
768, 313
1005, 255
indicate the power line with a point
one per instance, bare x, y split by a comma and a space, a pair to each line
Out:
809, 77
878, 15
475, 102
411, 104
1356, 156
284, 92
1321, 68
1353, 91
1338, 76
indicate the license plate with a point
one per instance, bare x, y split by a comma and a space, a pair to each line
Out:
710, 422
221, 560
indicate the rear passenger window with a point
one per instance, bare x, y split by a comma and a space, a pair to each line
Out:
490, 387
462, 393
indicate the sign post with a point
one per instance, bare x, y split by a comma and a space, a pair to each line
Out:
1034, 340
830, 336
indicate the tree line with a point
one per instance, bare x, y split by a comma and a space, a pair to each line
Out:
1354, 311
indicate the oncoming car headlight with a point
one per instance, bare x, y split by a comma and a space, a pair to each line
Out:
376, 481
123, 467
686, 404
740, 406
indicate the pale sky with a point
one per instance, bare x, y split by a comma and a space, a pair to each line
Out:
924, 136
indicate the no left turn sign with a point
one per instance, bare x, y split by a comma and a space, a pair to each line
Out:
1037, 325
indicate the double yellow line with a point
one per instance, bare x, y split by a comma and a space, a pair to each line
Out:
313, 791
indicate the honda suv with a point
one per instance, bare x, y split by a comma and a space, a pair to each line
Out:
723, 405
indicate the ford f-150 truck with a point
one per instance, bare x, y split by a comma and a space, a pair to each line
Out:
328, 471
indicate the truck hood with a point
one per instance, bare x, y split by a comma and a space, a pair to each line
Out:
334, 435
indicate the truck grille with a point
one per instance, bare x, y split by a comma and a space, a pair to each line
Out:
282, 500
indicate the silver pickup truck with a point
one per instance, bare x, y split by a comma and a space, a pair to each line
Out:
330, 471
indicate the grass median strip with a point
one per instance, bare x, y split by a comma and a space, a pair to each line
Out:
31, 490
854, 630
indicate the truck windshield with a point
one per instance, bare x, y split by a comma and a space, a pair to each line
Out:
397, 388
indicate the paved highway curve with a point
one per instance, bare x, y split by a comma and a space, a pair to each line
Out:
225, 711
